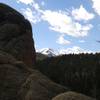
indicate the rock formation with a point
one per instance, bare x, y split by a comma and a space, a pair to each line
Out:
72, 96
16, 35
18, 82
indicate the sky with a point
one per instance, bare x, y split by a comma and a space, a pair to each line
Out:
64, 25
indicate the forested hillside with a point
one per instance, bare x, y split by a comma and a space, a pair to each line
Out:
78, 72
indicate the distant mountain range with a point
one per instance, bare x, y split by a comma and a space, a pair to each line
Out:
51, 52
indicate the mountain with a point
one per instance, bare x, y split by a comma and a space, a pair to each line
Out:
48, 51
51, 52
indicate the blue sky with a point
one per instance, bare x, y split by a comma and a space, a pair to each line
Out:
64, 25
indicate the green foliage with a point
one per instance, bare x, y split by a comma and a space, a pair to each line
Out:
75, 71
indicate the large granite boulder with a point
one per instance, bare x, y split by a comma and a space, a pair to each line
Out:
16, 35
72, 96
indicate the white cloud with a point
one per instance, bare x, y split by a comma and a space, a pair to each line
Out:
96, 6
25, 1
74, 50
34, 5
61, 22
62, 41
30, 15
81, 41
82, 14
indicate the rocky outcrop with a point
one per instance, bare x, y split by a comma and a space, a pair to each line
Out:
18, 82
72, 96
16, 35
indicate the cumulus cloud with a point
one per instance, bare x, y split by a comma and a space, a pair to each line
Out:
33, 3
36, 7
62, 41
30, 15
25, 1
82, 14
61, 22
96, 6
74, 50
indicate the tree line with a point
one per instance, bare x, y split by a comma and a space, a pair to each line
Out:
79, 72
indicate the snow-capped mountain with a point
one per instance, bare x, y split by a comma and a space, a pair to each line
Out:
51, 52
47, 51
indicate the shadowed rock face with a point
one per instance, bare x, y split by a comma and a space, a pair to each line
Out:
16, 35
19, 82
